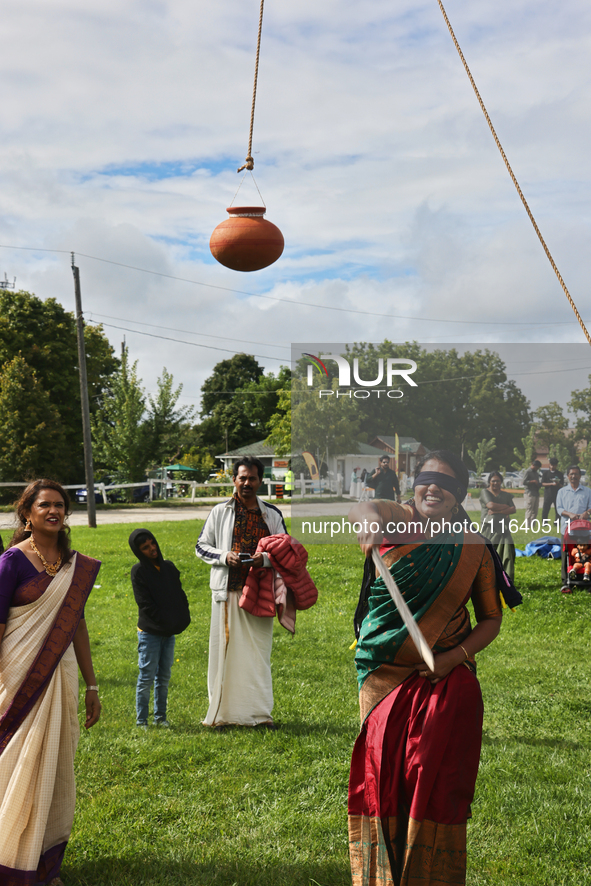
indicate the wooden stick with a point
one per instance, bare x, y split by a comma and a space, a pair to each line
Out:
402, 606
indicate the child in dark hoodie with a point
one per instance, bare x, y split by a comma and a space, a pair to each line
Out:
163, 612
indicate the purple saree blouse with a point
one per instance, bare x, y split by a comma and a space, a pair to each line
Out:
15, 570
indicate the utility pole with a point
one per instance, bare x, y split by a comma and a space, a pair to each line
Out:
6, 284
88, 468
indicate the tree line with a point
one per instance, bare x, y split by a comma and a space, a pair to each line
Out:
464, 402
40, 411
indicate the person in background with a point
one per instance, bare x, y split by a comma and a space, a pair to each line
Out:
573, 502
354, 481
552, 481
384, 481
582, 564
163, 611
362, 488
288, 481
531, 496
239, 673
496, 507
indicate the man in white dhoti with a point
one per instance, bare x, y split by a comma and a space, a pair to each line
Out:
239, 674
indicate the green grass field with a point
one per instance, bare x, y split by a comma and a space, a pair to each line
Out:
193, 806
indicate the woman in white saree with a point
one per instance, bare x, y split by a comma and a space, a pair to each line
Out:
43, 640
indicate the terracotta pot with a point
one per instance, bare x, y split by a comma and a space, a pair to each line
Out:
246, 241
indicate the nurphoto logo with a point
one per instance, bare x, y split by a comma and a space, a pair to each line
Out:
394, 368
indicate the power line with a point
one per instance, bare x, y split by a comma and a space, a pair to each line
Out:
194, 344
297, 303
243, 341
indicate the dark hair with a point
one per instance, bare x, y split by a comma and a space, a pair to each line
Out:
573, 467
144, 537
537, 464
449, 458
553, 460
248, 461
24, 505
495, 474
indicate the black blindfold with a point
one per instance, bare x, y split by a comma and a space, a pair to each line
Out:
444, 481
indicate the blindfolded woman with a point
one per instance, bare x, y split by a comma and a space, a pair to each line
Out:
416, 759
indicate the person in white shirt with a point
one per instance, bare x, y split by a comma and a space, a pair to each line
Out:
239, 673
573, 502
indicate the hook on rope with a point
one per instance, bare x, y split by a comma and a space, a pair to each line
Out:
248, 164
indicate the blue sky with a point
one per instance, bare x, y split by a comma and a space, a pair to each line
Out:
122, 129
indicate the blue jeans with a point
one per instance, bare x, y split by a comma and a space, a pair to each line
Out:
155, 658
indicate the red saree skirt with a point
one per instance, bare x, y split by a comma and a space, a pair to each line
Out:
413, 774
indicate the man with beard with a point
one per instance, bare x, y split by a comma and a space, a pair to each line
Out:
239, 674
385, 481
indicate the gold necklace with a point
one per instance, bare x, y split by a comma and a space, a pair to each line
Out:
50, 568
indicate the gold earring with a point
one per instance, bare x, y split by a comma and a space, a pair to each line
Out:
28, 526
455, 510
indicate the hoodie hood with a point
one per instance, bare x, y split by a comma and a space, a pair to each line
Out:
137, 537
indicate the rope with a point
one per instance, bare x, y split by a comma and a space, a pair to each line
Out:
515, 182
249, 163
240, 185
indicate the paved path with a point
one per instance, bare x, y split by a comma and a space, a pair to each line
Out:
200, 512
136, 515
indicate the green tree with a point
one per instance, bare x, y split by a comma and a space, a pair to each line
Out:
478, 399
44, 333
279, 425
31, 433
261, 400
225, 424
525, 456
551, 424
480, 456
164, 422
580, 404
118, 430
201, 461
564, 455
227, 377
324, 426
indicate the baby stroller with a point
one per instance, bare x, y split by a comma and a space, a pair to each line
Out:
578, 533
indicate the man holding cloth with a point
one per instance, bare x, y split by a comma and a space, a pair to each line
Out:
239, 673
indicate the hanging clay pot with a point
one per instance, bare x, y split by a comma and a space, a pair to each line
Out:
246, 241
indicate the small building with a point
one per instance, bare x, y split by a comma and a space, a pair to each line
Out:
409, 452
275, 465
366, 457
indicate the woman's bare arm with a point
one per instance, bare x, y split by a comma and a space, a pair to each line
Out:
2, 629
371, 519
84, 659
482, 636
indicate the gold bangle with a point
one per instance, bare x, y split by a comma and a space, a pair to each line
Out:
464, 651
